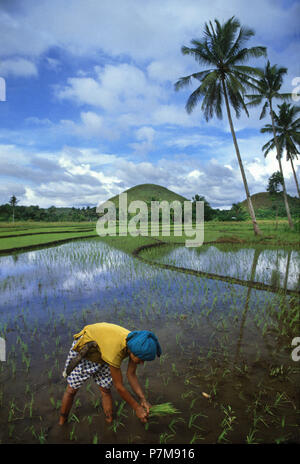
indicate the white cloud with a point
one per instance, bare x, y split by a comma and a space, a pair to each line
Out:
18, 67
91, 125
73, 177
142, 30
82, 90
172, 114
117, 88
145, 136
167, 70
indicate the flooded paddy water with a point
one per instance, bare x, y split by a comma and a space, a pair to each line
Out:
229, 341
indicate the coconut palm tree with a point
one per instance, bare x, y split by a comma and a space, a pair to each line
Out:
267, 88
13, 202
287, 127
226, 79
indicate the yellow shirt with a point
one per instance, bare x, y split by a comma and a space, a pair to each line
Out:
111, 341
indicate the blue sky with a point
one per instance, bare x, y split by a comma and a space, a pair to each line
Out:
90, 105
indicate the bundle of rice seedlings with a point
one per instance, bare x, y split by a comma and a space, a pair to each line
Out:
162, 410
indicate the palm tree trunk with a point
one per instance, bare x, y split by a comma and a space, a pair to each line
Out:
294, 172
250, 206
280, 168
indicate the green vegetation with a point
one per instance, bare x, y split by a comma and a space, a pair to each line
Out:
267, 204
148, 193
163, 409
13, 212
22, 236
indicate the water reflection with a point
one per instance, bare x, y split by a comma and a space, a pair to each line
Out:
278, 268
246, 307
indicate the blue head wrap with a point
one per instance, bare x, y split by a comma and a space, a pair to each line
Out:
143, 344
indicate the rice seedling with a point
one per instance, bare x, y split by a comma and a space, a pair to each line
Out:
116, 424
171, 425
89, 419
165, 437
192, 419
250, 438
162, 409
196, 437
73, 418
120, 411
11, 429
72, 435
222, 437
95, 439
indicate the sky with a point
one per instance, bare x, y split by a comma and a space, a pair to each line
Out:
89, 109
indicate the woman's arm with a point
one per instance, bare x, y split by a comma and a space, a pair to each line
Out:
124, 393
134, 383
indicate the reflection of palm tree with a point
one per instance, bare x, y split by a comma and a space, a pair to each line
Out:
222, 49
275, 276
246, 307
287, 270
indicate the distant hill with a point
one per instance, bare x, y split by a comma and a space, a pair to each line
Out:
148, 193
264, 201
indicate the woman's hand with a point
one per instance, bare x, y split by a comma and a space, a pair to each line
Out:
146, 405
141, 414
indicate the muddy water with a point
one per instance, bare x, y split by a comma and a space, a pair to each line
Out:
231, 342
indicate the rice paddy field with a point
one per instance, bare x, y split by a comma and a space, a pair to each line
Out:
225, 315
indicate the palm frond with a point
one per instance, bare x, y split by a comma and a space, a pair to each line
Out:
246, 54
186, 81
267, 129
270, 145
264, 110
284, 96
193, 100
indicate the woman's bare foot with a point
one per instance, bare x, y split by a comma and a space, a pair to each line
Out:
108, 417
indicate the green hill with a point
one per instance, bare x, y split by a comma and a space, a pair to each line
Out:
264, 202
148, 193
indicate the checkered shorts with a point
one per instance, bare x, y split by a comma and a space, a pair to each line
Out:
86, 369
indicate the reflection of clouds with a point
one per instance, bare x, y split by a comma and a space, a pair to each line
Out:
271, 265
11, 266
68, 267
31, 256
83, 277
276, 261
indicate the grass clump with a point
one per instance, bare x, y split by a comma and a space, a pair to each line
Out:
163, 409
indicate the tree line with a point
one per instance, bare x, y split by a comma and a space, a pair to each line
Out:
11, 211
